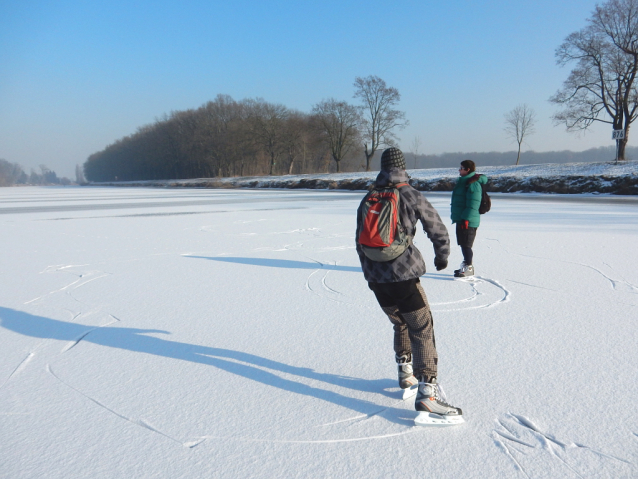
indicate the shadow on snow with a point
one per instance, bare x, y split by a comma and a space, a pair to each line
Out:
278, 263
286, 263
242, 364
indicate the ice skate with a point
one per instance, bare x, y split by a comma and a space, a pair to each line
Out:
457, 271
465, 271
432, 406
406, 375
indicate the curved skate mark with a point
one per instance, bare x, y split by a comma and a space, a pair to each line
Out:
527, 423
336, 441
519, 430
73, 343
286, 247
506, 292
517, 464
473, 282
308, 286
614, 283
299, 230
61, 267
18, 368
324, 286
633, 289
81, 281
364, 417
245, 222
531, 285
137, 422
473, 297
328, 288
310, 441
74, 314
336, 248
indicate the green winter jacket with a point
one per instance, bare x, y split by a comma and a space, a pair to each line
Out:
466, 200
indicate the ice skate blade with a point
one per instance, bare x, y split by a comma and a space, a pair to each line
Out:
409, 392
466, 278
430, 419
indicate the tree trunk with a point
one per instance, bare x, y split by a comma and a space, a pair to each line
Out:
519, 154
368, 157
621, 147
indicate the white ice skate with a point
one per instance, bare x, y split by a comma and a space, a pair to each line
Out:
432, 408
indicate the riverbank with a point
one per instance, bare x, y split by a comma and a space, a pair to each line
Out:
568, 178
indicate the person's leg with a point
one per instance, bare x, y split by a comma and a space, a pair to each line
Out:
421, 331
468, 255
465, 239
402, 346
410, 304
414, 311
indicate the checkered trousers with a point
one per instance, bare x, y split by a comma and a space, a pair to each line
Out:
414, 333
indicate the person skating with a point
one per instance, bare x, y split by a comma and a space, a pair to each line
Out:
466, 199
395, 282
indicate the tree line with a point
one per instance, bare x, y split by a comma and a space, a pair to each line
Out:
12, 174
226, 137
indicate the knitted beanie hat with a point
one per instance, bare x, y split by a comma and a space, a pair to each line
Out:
392, 158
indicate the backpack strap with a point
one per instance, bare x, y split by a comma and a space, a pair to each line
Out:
390, 185
474, 179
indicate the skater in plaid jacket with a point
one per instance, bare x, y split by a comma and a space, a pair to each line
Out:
397, 287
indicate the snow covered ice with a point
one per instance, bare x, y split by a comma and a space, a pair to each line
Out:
230, 333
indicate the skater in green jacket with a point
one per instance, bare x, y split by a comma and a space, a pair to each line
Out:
466, 199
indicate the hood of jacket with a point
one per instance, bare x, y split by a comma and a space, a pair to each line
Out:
473, 177
391, 177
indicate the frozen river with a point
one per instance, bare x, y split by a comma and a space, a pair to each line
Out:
229, 333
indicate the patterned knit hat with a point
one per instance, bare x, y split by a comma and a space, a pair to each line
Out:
392, 158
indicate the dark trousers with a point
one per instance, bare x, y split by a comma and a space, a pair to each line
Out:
406, 305
465, 239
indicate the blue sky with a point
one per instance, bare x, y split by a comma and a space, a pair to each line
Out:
77, 75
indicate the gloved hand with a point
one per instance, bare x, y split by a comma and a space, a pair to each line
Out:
440, 264
465, 224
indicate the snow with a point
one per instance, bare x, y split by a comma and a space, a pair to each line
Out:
521, 173
229, 333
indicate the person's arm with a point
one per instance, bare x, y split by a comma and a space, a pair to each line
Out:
433, 227
358, 230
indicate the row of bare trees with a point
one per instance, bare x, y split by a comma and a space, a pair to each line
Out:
12, 174
225, 137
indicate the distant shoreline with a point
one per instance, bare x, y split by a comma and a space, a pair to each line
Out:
568, 178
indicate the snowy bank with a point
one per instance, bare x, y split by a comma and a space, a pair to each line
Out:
609, 178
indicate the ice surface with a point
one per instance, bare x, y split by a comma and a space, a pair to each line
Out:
229, 333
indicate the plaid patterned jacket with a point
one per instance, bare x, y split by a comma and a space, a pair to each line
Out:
413, 207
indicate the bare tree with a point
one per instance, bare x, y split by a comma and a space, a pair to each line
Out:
268, 122
79, 175
379, 116
519, 124
601, 87
339, 122
416, 144
11, 173
294, 136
